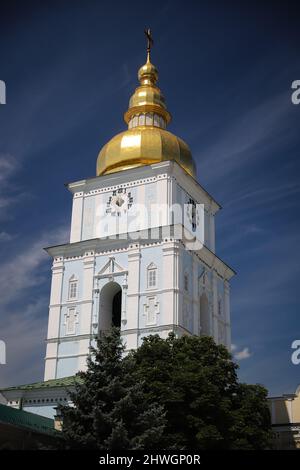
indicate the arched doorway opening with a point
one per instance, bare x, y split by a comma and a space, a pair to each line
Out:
110, 306
204, 316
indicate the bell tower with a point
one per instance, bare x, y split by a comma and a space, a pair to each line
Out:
142, 243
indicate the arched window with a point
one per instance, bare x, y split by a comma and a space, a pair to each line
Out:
135, 121
110, 311
142, 119
152, 276
73, 288
149, 119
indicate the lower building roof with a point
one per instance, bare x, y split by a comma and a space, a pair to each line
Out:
62, 382
24, 419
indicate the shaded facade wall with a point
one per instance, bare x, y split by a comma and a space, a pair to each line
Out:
285, 415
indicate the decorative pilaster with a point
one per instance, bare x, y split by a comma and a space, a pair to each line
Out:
215, 333
77, 212
212, 237
54, 318
227, 314
55, 297
124, 301
96, 307
134, 259
170, 282
195, 304
87, 293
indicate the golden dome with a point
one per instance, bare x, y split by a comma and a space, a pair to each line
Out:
144, 145
146, 141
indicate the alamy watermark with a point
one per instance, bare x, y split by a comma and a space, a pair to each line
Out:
295, 358
2, 92
295, 97
2, 352
116, 219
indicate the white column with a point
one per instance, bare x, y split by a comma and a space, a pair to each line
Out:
124, 303
141, 222
170, 282
77, 214
178, 317
227, 314
212, 232
162, 201
195, 304
215, 307
171, 198
96, 308
133, 296
87, 293
54, 318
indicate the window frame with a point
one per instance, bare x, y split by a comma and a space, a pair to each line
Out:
72, 281
152, 272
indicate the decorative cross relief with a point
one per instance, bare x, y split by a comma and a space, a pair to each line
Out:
151, 309
71, 319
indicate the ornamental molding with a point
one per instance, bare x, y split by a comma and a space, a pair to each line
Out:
131, 184
110, 269
156, 328
63, 339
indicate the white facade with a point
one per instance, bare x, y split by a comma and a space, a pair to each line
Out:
127, 257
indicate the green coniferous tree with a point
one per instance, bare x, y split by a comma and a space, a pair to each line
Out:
110, 409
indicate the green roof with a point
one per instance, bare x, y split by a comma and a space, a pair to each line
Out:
63, 382
26, 420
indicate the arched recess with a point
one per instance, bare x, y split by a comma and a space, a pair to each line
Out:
110, 306
204, 316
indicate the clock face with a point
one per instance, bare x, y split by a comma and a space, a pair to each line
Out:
120, 202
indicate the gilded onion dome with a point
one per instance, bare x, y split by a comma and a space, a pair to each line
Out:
146, 141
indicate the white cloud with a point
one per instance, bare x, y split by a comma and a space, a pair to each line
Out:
243, 354
24, 332
24, 328
9, 194
6, 237
23, 271
8, 165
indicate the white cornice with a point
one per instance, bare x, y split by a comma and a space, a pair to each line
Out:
142, 175
102, 246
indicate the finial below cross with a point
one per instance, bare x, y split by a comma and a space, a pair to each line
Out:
149, 41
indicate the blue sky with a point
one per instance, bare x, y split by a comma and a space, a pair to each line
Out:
226, 70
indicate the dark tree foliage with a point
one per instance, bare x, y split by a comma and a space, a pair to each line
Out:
111, 410
207, 408
174, 393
